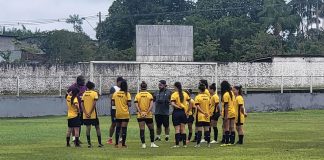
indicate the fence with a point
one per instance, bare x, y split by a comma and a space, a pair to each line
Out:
57, 85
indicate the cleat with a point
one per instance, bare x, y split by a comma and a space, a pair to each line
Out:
157, 139
167, 139
213, 142
100, 145
176, 146
124, 146
208, 145
185, 146
153, 145
68, 145
197, 146
203, 141
109, 141
89, 145
224, 145
144, 146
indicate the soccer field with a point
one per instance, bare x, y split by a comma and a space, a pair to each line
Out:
279, 135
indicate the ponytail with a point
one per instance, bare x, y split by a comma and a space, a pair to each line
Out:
143, 85
75, 93
239, 88
179, 87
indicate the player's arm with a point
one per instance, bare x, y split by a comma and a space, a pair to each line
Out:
226, 109
151, 106
217, 109
200, 110
190, 107
175, 105
83, 108
93, 107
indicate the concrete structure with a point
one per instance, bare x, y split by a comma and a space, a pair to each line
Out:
166, 43
7, 44
264, 102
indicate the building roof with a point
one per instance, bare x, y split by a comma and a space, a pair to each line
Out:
270, 58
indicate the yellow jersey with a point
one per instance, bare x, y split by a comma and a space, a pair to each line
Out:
72, 109
203, 100
88, 99
240, 118
231, 108
144, 99
207, 92
213, 101
121, 100
176, 99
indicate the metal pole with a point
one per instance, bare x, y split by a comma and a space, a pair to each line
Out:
18, 90
216, 77
91, 71
311, 84
246, 80
60, 87
100, 84
281, 88
138, 77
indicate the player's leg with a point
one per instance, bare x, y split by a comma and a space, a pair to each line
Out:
88, 135
199, 134
232, 130
207, 134
68, 135
240, 133
158, 121
124, 133
118, 128
77, 140
183, 134
141, 125
190, 131
98, 135
150, 125
112, 126
166, 126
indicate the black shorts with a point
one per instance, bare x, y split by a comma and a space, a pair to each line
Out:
122, 120
179, 117
202, 124
113, 115
215, 117
146, 120
74, 122
162, 119
239, 124
92, 122
190, 119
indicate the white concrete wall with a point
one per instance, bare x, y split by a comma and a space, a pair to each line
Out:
45, 79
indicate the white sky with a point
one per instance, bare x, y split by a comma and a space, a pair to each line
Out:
14, 11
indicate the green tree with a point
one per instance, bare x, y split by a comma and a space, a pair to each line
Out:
76, 21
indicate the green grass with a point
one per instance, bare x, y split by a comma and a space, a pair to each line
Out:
280, 135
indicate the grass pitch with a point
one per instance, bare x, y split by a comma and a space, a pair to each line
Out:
279, 135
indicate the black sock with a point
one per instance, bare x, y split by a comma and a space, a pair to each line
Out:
196, 135
227, 137
184, 139
177, 138
88, 139
232, 138
207, 136
68, 140
152, 135
124, 135
215, 133
117, 134
79, 131
99, 139
142, 136
77, 141
199, 134
189, 136
223, 139
241, 139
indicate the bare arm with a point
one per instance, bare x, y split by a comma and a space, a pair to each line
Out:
226, 109
201, 111
174, 105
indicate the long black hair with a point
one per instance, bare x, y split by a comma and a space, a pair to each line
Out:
226, 87
143, 85
202, 87
239, 88
179, 86
213, 86
75, 93
205, 82
124, 86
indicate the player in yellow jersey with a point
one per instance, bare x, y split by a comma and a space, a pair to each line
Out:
74, 121
90, 116
228, 113
144, 105
179, 101
240, 111
122, 101
215, 111
190, 112
202, 102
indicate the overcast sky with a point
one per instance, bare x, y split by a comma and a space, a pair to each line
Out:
14, 11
